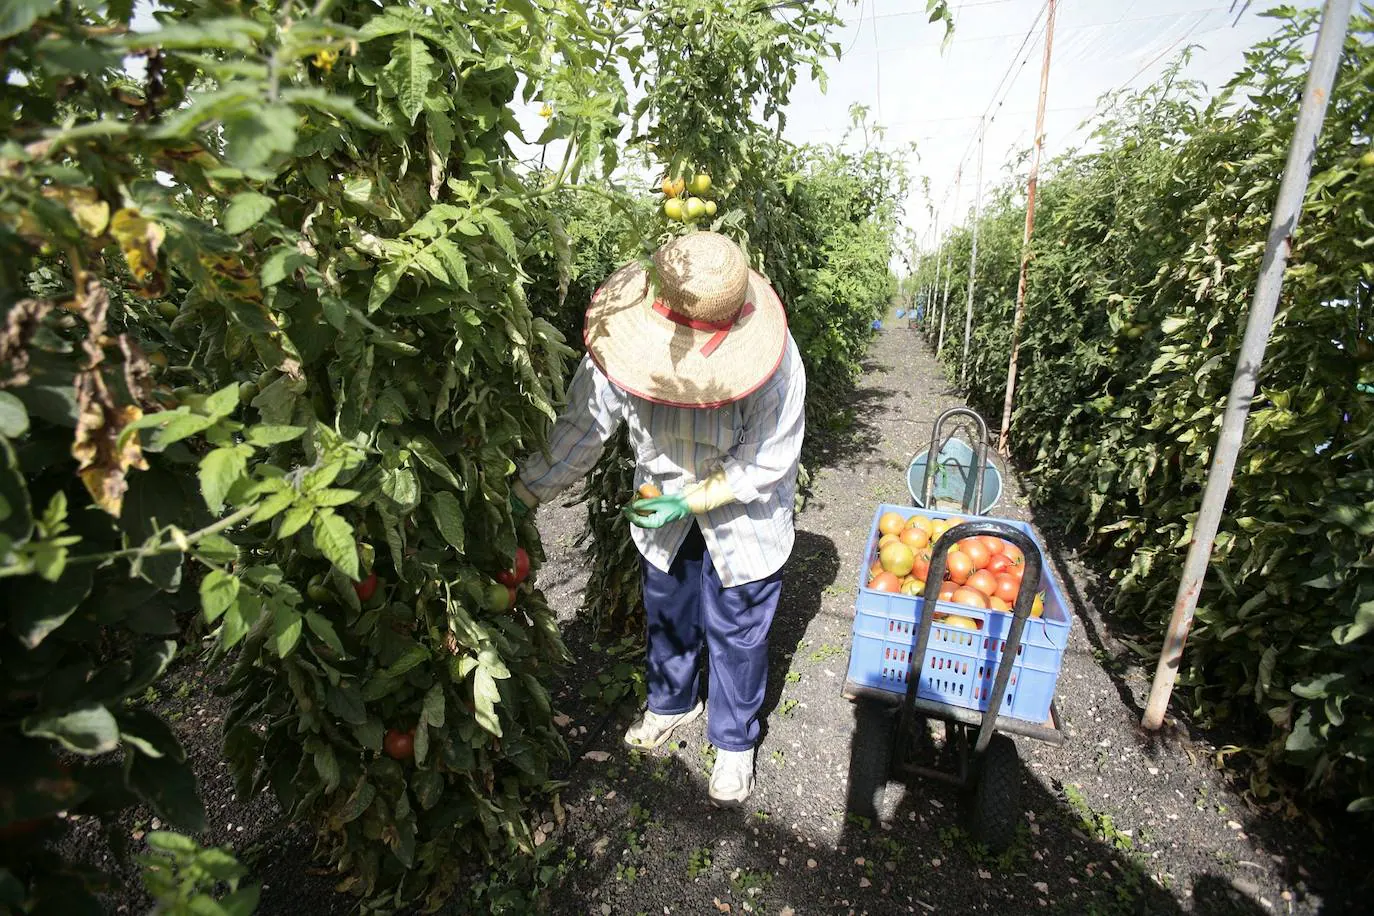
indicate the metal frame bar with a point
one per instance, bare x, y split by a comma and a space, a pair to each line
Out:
980, 460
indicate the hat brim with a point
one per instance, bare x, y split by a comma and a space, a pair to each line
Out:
655, 358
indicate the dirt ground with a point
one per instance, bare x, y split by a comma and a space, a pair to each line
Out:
1112, 822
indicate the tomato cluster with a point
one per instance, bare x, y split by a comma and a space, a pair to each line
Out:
980, 572
692, 208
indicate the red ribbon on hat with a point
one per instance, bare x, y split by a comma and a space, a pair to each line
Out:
722, 328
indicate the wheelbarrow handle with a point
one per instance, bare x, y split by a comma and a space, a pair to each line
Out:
980, 459
1030, 582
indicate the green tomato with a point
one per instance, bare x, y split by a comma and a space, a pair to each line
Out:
500, 598
696, 208
700, 184
672, 208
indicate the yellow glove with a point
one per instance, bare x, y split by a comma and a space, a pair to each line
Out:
708, 494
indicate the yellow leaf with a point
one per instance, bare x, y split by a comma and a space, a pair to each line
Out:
140, 240
101, 463
91, 213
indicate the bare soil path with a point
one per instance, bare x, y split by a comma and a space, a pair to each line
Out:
1114, 821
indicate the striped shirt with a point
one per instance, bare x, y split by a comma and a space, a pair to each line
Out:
757, 440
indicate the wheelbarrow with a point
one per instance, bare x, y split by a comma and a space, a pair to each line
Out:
909, 668
953, 475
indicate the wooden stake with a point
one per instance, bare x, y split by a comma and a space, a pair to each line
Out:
1003, 444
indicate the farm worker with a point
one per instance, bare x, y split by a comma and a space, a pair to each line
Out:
707, 379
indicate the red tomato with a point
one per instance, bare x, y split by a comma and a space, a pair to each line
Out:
994, 545
984, 581
1013, 553
885, 582
958, 567
519, 573
366, 588
1008, 587
947, 592
399, 745
970, 596
975, 550
998, 564
921, 568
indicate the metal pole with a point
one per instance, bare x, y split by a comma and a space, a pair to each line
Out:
1002, 441
973, 258
944, 306
935, 292
1292, 190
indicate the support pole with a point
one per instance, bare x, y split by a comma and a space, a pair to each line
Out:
934, 292
949, 265
973, 259
944, 306
1003, 445
1292, 190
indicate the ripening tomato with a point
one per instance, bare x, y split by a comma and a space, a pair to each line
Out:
997, 604
922, 522
984, 581
921, 568
976, 551
947, 592
994, 545
998, 564
891, 523
970, 596
958, 567
915, 538
885, 582
1007, 588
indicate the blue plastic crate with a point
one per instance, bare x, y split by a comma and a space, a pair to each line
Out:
960, 665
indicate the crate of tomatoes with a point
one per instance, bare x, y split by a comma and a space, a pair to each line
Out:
970, 621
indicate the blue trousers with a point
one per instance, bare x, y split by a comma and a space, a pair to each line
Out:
688, 609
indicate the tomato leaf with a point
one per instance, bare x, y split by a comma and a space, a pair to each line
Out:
334, 539
245, 210
218, 591
448, 515
219, 471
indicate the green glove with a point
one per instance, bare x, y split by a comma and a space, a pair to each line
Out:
659, 511
521, 499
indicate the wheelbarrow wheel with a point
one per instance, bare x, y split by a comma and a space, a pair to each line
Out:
870, 765
995, 806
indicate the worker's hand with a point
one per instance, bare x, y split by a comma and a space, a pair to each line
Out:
521, 499
658, 511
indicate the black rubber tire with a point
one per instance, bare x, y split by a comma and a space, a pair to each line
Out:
870, 758
995, 803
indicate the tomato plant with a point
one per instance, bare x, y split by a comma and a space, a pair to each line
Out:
230, 272
1143, 264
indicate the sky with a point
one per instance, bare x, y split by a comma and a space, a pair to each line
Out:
893, 64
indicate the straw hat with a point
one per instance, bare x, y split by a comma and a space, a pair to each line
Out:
715, 332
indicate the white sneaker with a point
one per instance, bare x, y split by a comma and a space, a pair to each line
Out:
653, 729
732, 778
